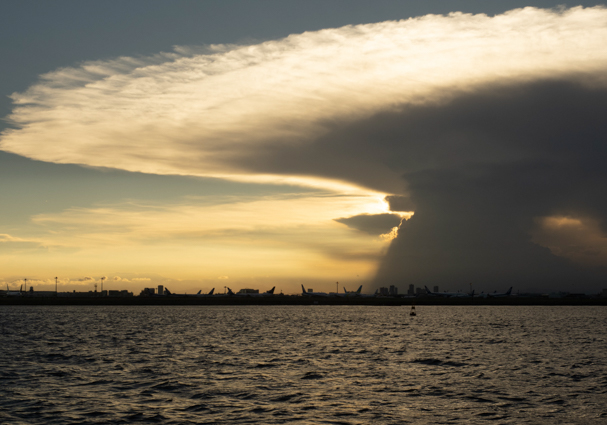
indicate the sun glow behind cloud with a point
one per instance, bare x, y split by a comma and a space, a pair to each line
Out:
580, 239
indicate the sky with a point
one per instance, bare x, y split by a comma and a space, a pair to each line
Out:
251, 144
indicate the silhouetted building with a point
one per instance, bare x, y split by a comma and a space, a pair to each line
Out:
252, 291
393, 291
411, 290
121, 293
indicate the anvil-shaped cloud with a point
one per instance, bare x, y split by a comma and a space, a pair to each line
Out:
223, 111
449, 112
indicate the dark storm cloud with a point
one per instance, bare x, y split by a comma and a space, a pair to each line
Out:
479, 170
399, 203
492, 163
373, 224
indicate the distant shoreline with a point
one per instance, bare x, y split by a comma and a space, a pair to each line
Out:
297, 300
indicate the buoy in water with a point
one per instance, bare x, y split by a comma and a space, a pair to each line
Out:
413, 313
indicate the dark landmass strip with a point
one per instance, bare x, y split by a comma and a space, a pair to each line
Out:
299, 300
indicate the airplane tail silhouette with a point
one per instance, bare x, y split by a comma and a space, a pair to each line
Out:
230, 292
166, 290
360, 288
509, 291
211, 293
271, 291
198, 293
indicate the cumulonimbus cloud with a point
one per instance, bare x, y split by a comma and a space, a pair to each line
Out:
481, 125
220, 111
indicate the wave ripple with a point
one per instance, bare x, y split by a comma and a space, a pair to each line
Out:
302, 364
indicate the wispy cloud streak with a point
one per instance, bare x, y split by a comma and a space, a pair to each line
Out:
205, 113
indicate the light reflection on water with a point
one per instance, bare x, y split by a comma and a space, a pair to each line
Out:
303, 364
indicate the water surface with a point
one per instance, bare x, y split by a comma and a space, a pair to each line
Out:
303, 364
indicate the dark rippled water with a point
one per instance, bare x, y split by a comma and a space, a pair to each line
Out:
305, 364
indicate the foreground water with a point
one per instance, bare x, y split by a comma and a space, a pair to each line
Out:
306, 364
